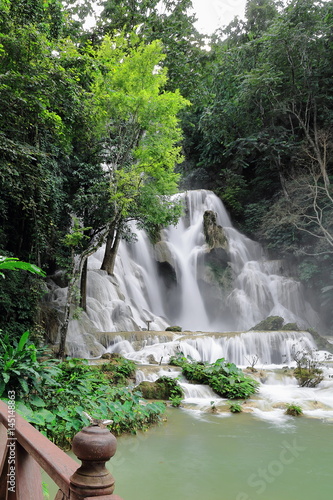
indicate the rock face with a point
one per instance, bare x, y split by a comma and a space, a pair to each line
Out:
214, 234
165, 263
162, 253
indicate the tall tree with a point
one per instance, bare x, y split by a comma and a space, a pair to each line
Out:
171, 22
142, 135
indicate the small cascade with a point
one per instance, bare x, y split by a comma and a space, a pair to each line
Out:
268, 348
196, 393
278, 386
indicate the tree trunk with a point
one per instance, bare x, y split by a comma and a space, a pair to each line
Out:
83, 285
78, 279
65, 323
112, 245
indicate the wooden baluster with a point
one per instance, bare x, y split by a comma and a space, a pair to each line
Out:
28, 476
94, 446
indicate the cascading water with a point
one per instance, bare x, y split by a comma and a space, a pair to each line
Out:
182, 280
174, 282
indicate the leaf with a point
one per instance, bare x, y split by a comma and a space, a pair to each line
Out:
64, 414
37, 401
13, 264
23, 410
23, 341
24, 385
47, 415
36, 418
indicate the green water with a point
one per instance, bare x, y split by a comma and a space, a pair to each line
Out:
196, 456
230, 458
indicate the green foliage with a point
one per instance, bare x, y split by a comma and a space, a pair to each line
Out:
165, 388
20, 370
140, 125
173, 329
178, 359
235, 407
169, 21
290, 327
75, 387
13, 263
19, 295
76, 236
119, 369
224, 378
308, 371
294, 410
176, 401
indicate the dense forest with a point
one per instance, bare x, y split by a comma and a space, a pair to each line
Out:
96, 124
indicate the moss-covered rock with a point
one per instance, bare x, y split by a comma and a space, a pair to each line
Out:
118, 369
269, 324
163, 388
173, 329
321, 342
290, 327
214, 234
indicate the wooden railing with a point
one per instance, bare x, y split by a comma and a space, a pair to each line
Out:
24, 451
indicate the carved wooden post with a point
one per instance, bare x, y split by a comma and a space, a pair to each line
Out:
94, 446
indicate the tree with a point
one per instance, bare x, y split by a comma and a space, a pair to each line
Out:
259, 15
142, 134
171, 22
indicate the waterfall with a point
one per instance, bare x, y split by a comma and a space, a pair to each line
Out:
229, 285
174, 283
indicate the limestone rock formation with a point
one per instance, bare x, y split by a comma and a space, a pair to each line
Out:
214, 234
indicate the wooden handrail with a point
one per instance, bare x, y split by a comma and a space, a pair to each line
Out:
30, 448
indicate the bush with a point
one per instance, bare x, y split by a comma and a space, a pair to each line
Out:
307, 372
224, 378
163, 388
293, 410
20, 371
173, 329
74, 388
290, 327
119, 369
235, 407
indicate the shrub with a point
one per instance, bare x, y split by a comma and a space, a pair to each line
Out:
307, 372
294, 410
224, 378
173, 329
163, 388
20, 371
235, 407
290, 327
74, 388
119, 369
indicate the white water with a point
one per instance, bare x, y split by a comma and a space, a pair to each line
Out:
138, 292
273, 351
